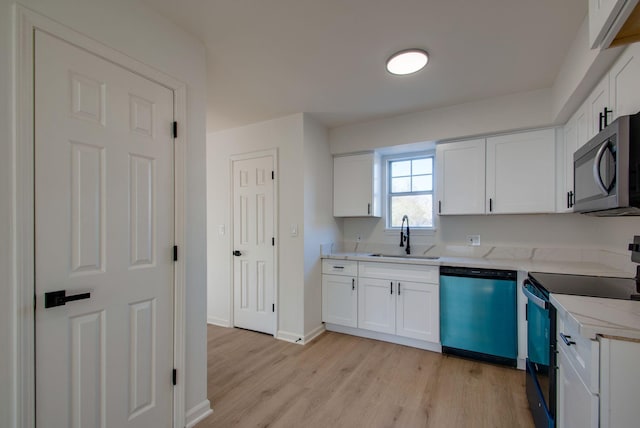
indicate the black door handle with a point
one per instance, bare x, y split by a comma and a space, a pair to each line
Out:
237, 253
60, 298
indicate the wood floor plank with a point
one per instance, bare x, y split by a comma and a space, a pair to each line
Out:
339, 380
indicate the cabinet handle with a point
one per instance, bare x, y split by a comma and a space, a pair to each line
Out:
439, 207
606, 117
490, 204
600, 120
369, 209
567, 340
338, 267
570, 199
398, 289
353, 283
391, 285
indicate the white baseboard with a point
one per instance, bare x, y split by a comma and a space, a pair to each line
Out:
428, 346
290, 337
314, 333
219, 322
198, 413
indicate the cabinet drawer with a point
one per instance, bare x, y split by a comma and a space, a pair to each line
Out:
584, 354
340, 267
399, 272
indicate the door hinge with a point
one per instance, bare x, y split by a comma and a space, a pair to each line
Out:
175, 253
273, 307
273, 175
273, 242
175, 129
174, 377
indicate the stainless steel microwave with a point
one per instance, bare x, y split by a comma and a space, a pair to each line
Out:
606, 170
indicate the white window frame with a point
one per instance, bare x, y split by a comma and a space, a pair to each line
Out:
386, 160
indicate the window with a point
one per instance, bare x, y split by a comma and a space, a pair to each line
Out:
410, 191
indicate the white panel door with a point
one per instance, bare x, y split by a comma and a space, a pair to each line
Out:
596, 103
624, 85
418, 311
377, 305
253, 220
521, 173
577, 406
460, 183
340, 300
104, 215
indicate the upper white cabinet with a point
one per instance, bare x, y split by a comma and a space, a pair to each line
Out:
615, 95
508, 174
624, 84
356, 185
606, 19
521, 172
599, 108
460, 175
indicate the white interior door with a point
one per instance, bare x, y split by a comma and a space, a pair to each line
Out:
253, 239
104, 214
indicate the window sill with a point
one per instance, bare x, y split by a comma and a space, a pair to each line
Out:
413, 232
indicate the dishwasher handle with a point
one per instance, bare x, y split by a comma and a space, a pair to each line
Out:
541, 303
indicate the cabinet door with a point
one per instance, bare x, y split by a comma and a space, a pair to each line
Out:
570, 145
624, 84
356, 186
521, 172
377, 305
460, 177
596, 103
602, 13
340, 300
418, 311
577, 406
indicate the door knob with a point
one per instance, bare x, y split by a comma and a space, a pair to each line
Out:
237, 253
60, 298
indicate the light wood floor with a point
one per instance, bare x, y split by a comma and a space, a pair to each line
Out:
344, 381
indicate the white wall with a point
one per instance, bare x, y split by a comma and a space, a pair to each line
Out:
320, 227
285, 135
512, 112
132, 28
531, 231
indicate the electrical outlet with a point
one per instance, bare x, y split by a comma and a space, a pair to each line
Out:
473, 240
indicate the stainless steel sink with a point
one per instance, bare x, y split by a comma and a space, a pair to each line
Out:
405, 256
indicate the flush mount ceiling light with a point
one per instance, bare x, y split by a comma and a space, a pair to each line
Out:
407, 61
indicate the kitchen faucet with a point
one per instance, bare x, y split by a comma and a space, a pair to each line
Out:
404, 237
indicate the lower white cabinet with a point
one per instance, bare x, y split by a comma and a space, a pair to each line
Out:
340, 300
362, 296
577, 405
377, 305
418, 311
340, 292
390, 304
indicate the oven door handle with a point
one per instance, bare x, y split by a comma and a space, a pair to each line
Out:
541, 303
596, 169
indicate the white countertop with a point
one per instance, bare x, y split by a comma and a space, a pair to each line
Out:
527, 265
598, 316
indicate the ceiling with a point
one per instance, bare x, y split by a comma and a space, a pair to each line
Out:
270, 58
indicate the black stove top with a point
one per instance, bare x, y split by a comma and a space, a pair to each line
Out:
583, 285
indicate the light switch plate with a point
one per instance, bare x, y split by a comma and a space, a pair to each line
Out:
294, 230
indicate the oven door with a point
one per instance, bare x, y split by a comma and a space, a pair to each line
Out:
540, 381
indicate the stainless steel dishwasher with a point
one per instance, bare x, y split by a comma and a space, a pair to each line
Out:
478, 314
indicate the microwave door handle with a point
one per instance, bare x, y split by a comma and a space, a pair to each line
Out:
541, 303
596, 168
